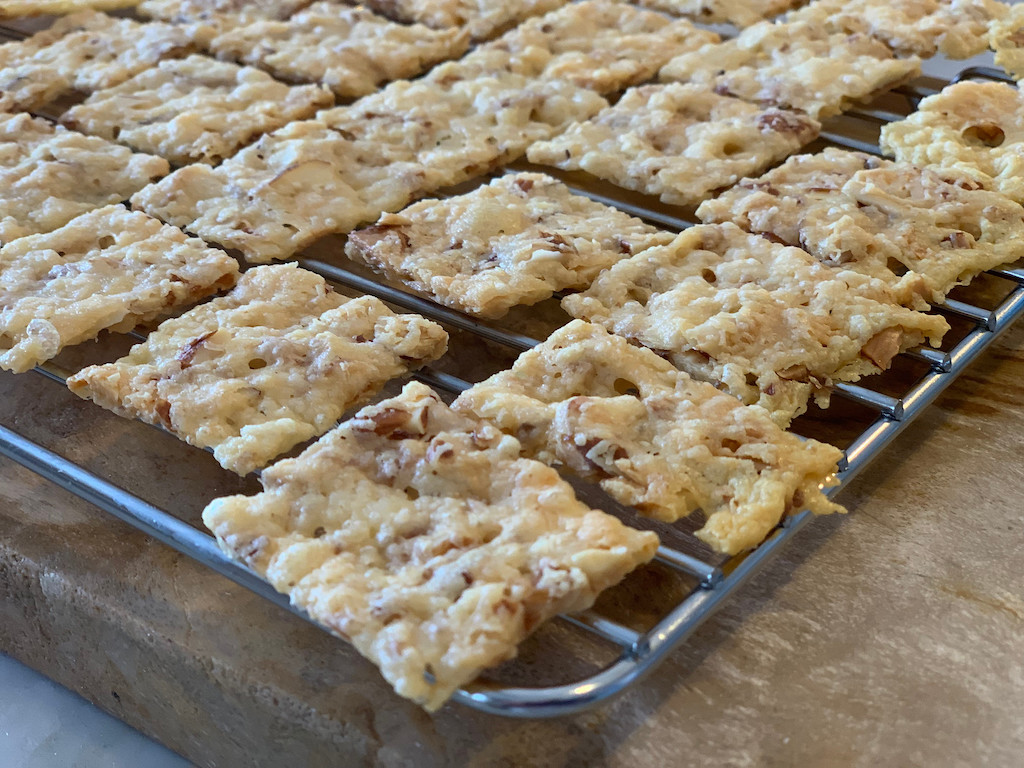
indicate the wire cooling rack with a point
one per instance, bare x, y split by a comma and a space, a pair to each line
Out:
711, 580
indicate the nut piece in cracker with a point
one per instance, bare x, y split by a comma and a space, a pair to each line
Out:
275, 362
795, 66
515, 241
653, 437
969, 129
49, 175
603, 45
1006, 38
108, 269
481, 18
765, 322
740, 13
83, 52
350, 50
420, 536
195, 109
679, 142
918, 231
956, 28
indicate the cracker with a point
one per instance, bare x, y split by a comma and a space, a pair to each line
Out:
481, 18
350, 50
212, 16
765, 322
108, 269
603, 45
50, 175
270, 200
859, 212
420, 536
654, 438
83, 52
741, 13
679, 142
195, 109
515, 241
13, 9
1006, 38
275, 362
956, 28
795, 66
970, 129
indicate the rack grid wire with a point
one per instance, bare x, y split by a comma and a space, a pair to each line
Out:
639, 652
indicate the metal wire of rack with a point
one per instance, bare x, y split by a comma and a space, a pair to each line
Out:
640, 652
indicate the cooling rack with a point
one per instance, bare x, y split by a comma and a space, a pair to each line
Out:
712, 580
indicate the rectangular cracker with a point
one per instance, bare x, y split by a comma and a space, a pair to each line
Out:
108, 269
740, 13
956, 28
49, 175
679, 142
855, 211
765, 322
969, 129
604, 45
654, 438
83, 52
795, 66
1006, 38
420, 536
481, 18
275, 362
352, 51
515, 241
195, 109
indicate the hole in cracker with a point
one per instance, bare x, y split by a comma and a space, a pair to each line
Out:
256, 363
626, 387
731, 148
984, 134
106, 241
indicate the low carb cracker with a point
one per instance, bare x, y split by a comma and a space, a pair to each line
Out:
795, 66
679, 142
767, 323
420, 536
83, 52
109, 269
654, 438
50, 175
740, 13
859, 212
971, 129
481, 18
275, 362
515, 241
195, 109
352, 51
1006, 38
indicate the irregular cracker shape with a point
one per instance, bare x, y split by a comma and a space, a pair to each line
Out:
109, 269
855, 211
481, 18
603, 45
220, 14
49, 175
1006, 38
795, 66
654, 438
766, 323
741, 13
84, 52
956, 28
195, 109
971, 129
420, 536
270, 200
350, 50
515, 241
679, 142
13, 9
275, 362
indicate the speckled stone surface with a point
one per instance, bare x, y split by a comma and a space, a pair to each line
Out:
891, 636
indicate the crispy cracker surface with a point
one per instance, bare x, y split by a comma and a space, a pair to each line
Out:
423, 538
108, 269
275, 362
1006, 38
741, 13
481, 18
514, 241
